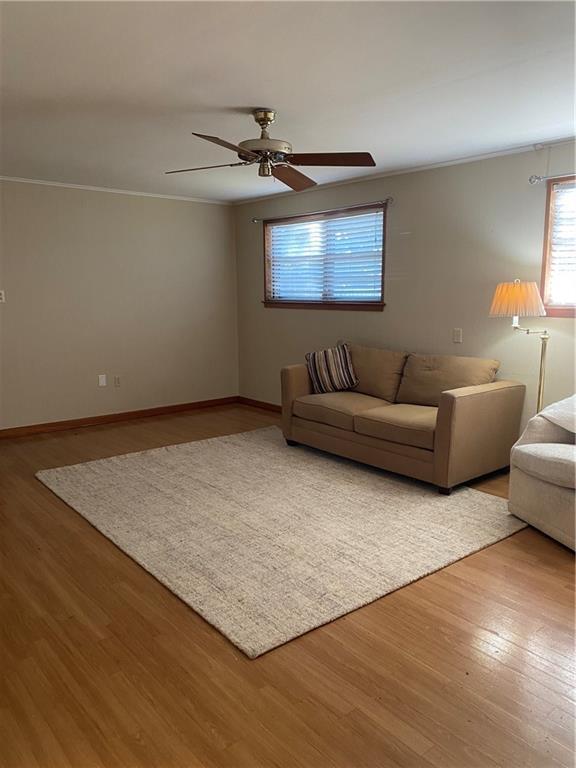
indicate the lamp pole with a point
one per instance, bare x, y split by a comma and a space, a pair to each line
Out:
544, 336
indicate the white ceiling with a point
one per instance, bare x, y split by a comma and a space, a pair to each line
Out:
107, 94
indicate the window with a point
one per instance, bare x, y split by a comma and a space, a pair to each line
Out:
559, 262
332, 260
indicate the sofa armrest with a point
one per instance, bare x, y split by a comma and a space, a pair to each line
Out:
296, 383
540, 430
475, 430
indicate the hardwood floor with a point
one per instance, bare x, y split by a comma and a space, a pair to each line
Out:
102, 666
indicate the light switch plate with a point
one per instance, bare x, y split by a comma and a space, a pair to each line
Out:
457, 335
102, 382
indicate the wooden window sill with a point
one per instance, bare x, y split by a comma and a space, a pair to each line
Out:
560, 311
358, 306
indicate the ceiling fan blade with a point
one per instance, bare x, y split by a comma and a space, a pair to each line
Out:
332, 158
292, 178
227, 144
204, 168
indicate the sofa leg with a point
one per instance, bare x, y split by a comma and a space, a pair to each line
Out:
444, 491
291, 442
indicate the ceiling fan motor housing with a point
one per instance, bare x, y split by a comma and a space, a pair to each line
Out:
276, 149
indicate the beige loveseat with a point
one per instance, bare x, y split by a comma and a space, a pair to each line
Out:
439, 418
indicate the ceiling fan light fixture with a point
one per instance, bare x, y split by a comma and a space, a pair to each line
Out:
265, 167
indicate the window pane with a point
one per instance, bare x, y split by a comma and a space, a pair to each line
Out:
338, 258
561, 278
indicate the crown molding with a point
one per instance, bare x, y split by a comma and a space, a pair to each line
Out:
88, 188
534, 147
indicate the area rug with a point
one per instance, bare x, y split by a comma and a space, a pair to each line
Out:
267, 542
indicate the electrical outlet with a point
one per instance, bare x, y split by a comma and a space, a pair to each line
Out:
116, 381
457, 335
102, 380
2, 297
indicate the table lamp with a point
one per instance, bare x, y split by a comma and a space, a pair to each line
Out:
522, 299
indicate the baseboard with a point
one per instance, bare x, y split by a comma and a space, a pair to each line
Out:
111, 418
260, 404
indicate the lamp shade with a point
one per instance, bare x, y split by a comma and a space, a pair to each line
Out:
517, 299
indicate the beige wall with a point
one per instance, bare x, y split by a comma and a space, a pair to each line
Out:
147, 289
136, 287
452, 234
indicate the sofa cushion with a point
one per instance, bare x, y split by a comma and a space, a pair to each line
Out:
552, 462
406, 424
378, 370
425, 377
335, 408
331, 370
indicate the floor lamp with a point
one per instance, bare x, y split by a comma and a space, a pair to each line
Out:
522, 299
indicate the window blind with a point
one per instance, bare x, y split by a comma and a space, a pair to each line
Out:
335, 257
560, 285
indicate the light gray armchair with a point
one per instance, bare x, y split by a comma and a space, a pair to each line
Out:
543, 473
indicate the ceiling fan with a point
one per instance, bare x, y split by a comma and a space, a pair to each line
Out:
274, 157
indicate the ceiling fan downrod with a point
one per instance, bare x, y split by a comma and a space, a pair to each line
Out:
264, 116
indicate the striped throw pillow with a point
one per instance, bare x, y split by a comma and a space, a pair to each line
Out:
331, 370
